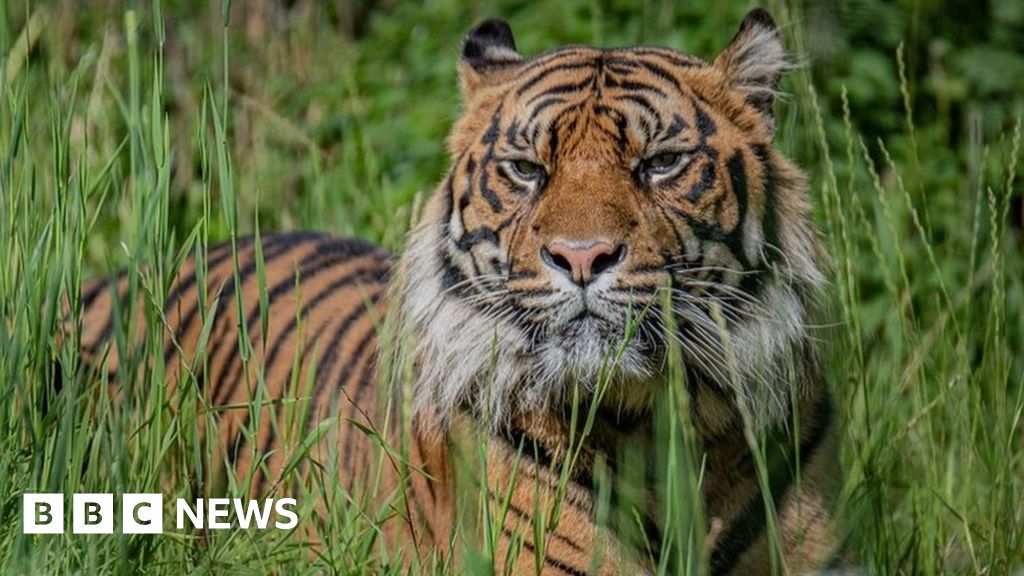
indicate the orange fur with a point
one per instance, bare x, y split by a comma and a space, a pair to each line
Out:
589, 189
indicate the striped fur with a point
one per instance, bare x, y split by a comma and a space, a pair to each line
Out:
601, 204
326, 301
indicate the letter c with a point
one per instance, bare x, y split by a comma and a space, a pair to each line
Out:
135, 514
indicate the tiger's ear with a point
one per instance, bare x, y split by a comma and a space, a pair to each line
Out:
488, 56
754, 61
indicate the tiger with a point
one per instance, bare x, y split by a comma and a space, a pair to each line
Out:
600, 202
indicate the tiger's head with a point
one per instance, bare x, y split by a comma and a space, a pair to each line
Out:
603, 205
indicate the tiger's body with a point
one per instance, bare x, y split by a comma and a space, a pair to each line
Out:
591, 190
334, 290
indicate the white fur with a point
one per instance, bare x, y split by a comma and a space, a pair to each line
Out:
761, 352
454, 345
501, 55
756, 60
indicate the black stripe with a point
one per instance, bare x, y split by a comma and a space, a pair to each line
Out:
751, 522
771, 209
674, 129
673, 58
662, 73
90, 295
215, 256
635, 86
707, 179
427, 479
330, 290
622, 136
326, 365
705, 125
223, 298
736, 167
323, 369
543, 74
545, 104
680, 241
366, 379
582, 476
645, 104
513, 133
528, 446
562, 53
373, 275
451, 275
553, 136
703, 230
619, 136
738, 179
272, 432
507, 222
116, 301
520, 513
474, 237
566, 88
88, 298
490, 195
753, 281
324, 256
364, 382
273, 245
490, 137
423, 517
548, 560
626, 65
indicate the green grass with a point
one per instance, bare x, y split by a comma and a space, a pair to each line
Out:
139, 137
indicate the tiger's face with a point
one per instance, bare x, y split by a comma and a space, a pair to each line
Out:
602, 205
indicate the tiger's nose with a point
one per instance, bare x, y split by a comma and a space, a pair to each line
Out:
582, 261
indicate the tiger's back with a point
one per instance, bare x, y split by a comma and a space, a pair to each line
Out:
325, 301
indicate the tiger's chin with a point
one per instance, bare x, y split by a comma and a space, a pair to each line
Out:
593, 355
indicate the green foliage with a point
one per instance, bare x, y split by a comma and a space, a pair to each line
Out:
140, 139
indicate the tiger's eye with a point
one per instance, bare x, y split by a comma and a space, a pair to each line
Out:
528, 170
663, 162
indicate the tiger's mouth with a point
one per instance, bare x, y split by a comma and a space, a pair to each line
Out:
584, 311
588, 324
588, 340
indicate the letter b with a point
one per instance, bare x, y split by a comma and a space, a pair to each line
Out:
92, 513
43, 513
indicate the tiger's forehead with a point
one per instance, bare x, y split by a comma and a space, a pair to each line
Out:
587, 62
616, 102
655, 59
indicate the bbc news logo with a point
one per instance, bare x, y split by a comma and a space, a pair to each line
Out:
144, 514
